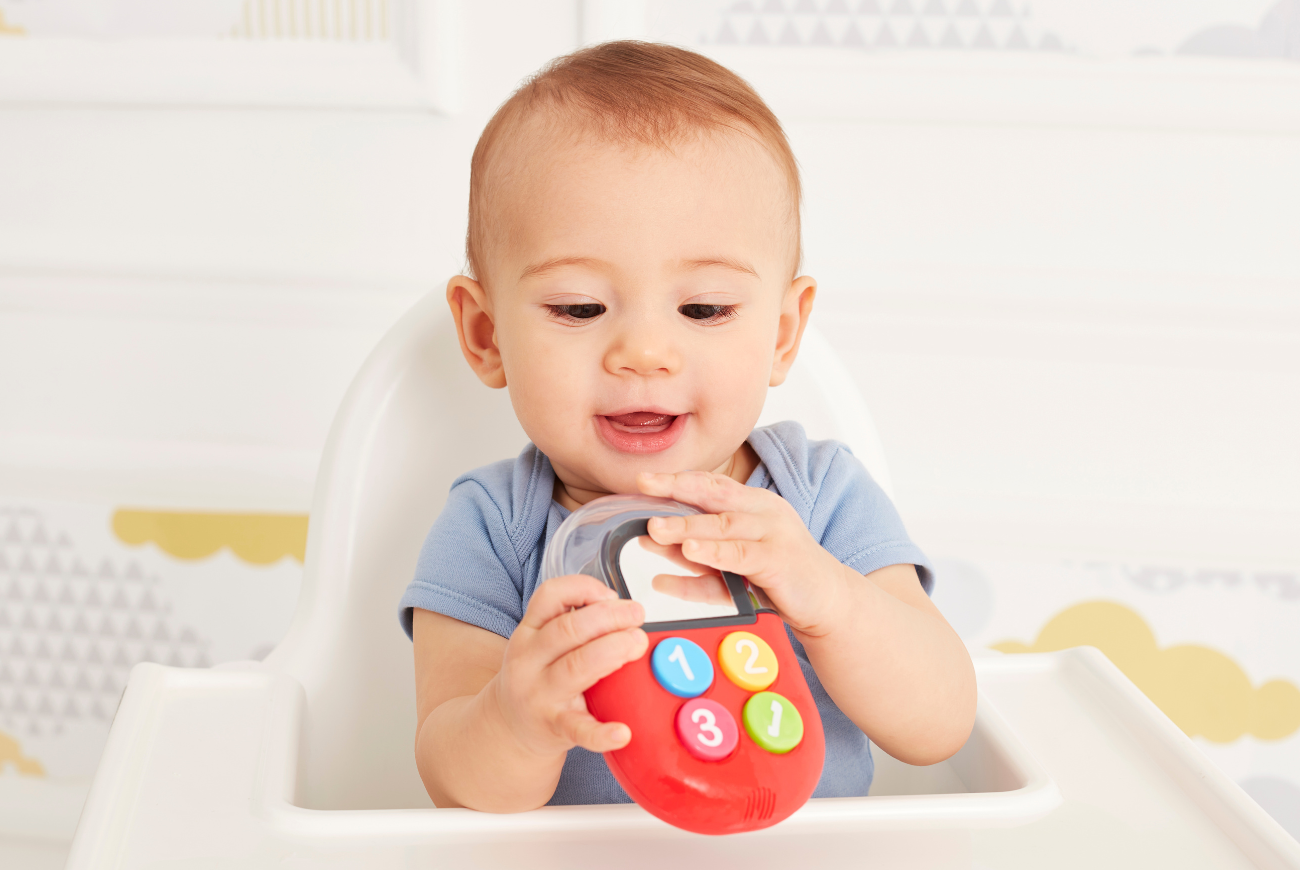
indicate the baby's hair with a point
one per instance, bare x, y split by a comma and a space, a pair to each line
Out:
629, 92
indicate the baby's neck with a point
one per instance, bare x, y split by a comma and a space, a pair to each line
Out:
739, 466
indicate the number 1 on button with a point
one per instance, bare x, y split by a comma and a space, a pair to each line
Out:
682, 667
679, 657
773, 722
774, 730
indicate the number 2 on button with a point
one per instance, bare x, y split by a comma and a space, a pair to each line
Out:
747, 661
750, 667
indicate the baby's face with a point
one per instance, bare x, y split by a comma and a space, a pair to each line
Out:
642, 302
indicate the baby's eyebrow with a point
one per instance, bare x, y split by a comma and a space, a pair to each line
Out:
538, 269
725, 262
547, 266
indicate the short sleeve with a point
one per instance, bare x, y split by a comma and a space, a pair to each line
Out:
856, 522
842, 505
468, 568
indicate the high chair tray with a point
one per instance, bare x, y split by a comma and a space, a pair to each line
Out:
1069, 765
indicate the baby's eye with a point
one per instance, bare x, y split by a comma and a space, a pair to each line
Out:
583, 311
696, 311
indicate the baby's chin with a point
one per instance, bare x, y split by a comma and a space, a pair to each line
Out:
618, 475
594, 483
592, 467
586, 476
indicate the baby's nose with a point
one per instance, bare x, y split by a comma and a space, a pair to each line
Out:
642, 354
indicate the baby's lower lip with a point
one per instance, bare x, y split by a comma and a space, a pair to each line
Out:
641, 431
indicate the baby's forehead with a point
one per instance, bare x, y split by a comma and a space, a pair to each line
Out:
553, 168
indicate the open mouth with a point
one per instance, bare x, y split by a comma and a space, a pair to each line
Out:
641, 431
641, 422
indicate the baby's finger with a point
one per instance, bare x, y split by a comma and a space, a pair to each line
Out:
561, 594
574, 628
578, 670
712, 493
673, 553
586, 731
748, 558
708, 588
728, 525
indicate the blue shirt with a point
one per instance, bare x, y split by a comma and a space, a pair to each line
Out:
481, 560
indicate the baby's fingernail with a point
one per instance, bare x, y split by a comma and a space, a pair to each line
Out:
664, 525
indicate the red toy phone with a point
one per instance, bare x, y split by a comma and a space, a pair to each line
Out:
726, 736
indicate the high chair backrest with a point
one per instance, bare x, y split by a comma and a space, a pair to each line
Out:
415, 418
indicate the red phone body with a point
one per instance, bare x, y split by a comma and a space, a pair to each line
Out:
751, 788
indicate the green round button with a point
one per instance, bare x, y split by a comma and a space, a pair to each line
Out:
773, 722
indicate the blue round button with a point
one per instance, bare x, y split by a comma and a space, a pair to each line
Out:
682, 667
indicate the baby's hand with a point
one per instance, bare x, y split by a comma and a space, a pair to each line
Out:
755, 533
575, 632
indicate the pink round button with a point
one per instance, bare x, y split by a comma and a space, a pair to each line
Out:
707, 730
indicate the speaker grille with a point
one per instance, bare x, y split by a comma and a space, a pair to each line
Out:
761, 805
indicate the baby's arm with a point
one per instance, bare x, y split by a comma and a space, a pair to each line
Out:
497, 717
895, 667
880, 647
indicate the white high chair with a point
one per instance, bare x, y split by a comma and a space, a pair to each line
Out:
307, 758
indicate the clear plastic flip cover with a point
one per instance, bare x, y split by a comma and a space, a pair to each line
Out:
575, 549
607, 539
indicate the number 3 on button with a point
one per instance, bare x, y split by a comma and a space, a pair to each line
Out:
747, 661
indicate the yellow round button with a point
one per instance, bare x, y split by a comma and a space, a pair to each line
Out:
747, 661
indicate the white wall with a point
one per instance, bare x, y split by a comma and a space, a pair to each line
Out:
259, 252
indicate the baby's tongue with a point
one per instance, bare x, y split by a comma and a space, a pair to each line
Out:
639, 419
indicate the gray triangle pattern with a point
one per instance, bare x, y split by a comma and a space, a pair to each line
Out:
877, 25
70, 636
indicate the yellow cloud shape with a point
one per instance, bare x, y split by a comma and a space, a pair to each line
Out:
7, 29
259, 539
12, 753
1202, 690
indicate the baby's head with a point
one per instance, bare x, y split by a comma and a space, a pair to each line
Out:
634, 249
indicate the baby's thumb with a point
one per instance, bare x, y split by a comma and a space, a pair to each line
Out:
584, 730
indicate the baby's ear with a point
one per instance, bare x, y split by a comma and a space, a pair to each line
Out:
796, 308
472, 312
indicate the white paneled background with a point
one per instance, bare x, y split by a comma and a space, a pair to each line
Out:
1058, 243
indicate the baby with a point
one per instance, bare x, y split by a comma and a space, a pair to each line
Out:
634, 246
